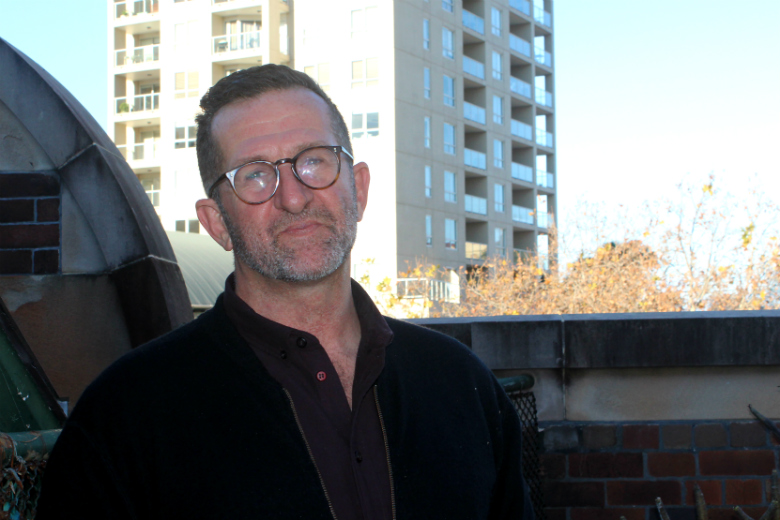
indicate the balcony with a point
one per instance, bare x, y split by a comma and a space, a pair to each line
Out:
545, 179
474, 159
522, 172
139, 152
475, 204
434, 290
473, 22
137, 55
541, 219
520, 87
473, 67
544, 98
136, 8
542, 56
474, 113
476, 251
143, 103
235, 42
519, 45
522, 215
541, 16
521, 130
524, 6
544, 138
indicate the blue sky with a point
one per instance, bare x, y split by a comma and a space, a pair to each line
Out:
647, 93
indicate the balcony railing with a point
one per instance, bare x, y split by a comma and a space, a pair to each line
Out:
136, 8
519, 45
544, 138
474, 113
541, 219
524, 6
236, 42
142, 103
435, 290
474, 159
139, 152
520, 87
476, 251
542, 16
475, 204
522, 130
473, 67
138, 55
544, 98
522, 215
545, 179
473, 22
542, 56
522, 172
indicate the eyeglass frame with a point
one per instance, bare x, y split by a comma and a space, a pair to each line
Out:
231, 174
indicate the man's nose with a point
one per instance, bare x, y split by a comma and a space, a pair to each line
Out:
291, 196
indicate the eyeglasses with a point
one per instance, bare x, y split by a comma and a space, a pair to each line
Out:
256, 182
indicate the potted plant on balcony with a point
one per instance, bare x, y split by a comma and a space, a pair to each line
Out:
124, 107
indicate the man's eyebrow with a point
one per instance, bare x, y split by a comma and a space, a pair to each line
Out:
263, 157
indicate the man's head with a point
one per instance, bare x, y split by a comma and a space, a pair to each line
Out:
300, 234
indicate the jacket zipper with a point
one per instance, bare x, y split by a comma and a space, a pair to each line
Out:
311, 455
387, 451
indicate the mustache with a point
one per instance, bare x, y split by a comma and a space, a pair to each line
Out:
321, 215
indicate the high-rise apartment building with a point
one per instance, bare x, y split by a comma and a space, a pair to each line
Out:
450, 102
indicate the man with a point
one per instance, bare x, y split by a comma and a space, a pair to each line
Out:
293, 397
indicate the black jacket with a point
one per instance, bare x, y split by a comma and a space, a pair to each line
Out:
192, 426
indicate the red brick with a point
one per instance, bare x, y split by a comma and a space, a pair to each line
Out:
48, 210
606, 465
21, 210
710, 435
600, 436
18, 236
552, 466
671, 464
729, 514
29, 185
573, 494
46, 261
641, 493
743, 492
640, 437
712, 490
555, 513
676, 436
748, 435
592, 513
15, 262
754, 462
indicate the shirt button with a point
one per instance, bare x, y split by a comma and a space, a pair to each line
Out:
301, 342
358, 456
321, 376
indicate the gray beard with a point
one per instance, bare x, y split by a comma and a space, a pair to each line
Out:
277, 262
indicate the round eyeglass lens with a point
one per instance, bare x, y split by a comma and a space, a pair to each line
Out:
255, 182
317, 167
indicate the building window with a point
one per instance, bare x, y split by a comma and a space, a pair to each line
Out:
184, 36
498, 110
450, 233
447, 5
450, 190
185, 136
321, 74
365, 125
497, 65
426, 34
498, 195
365, 73
449, 139
185, 84
498, 153
428, 182
448, 89
363, 21
500, 239
427, 83
495, 18
447, 43
428, 230
151, 185
427, 132
188, 226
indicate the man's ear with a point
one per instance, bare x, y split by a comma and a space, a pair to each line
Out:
211, 219
362, 180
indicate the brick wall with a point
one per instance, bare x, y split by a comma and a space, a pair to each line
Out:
605, 470
29, 223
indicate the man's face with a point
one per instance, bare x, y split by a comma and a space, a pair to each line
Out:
300, 234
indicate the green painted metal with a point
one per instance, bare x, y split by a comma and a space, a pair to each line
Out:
517, 383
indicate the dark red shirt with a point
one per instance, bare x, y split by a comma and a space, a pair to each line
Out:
348, 445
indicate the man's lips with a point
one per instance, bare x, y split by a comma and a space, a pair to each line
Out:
301, 228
